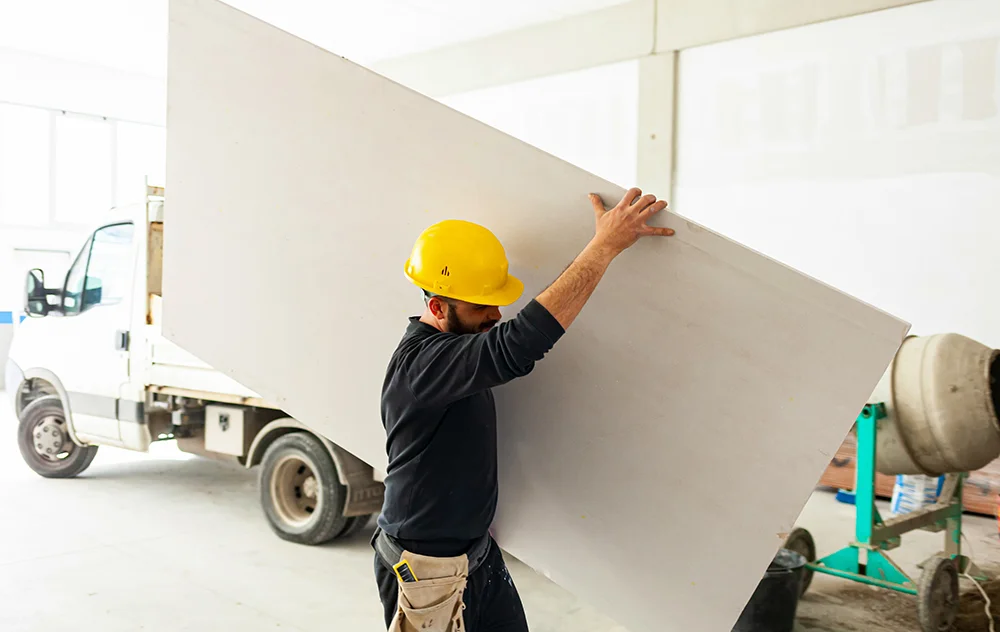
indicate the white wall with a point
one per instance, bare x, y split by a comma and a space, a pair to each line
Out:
60, 173
588, 117
865, 152
28, 78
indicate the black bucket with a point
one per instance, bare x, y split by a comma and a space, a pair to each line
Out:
772, 606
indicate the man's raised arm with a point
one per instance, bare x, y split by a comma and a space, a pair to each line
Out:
617, 229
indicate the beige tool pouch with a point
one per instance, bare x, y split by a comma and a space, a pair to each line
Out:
433, 603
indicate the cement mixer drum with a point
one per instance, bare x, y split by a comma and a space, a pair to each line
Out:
942, 396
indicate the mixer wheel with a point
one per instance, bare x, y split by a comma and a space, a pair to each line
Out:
937, 595
801, 541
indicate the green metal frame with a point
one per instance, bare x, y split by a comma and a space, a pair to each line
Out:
865, 559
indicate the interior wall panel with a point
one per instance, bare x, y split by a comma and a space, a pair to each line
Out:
588, 117
874, 167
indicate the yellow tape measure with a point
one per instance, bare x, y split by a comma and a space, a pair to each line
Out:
404, 572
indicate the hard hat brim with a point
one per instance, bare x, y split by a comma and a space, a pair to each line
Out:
504, 296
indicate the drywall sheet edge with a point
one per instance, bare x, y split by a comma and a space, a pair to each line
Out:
650, 464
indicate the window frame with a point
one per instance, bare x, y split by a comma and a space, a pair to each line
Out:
85, 251
88, 249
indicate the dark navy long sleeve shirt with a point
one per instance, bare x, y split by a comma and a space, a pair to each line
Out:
440, 420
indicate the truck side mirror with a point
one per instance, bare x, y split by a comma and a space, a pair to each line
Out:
36, 301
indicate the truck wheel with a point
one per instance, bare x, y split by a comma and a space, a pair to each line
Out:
300, 491
45, 443
354, 525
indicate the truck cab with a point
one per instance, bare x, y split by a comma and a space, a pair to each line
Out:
89, 367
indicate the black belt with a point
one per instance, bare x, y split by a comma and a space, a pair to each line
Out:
391, 551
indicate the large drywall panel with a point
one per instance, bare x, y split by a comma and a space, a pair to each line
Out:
874, 167
703, 387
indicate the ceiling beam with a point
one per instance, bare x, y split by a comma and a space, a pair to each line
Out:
618, 33
685, 23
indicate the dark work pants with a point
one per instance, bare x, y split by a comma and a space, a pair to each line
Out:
491, 600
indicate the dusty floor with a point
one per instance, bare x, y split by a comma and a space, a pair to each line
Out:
168, 542
836, 605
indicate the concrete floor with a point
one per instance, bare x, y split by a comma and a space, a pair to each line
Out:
835, 605
165, 541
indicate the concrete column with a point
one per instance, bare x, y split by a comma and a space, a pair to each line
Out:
655, 164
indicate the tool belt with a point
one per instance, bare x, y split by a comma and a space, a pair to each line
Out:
430, 598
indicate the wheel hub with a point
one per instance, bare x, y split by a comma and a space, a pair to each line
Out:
295, 489
310, 487
49, 438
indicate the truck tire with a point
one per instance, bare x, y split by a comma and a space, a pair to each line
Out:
354, 524
300, 491
45, 443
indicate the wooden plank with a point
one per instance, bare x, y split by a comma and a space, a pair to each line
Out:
154, 259
980, 493
684, 419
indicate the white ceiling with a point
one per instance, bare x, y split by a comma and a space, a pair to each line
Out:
131, 34
125, 34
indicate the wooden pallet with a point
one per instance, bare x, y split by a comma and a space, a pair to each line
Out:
980, 494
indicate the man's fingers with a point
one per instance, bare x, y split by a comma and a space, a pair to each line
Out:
643, 203
630, 196
653, 209
657, 231
598, 204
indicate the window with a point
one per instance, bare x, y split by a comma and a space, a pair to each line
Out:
64, 168
24, 165
142, 153
110, 268
84, 178
107, 259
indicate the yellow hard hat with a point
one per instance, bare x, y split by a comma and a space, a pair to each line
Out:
463, 261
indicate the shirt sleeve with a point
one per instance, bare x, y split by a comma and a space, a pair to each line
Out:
448, 367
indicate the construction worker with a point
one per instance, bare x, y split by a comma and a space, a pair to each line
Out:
436, 566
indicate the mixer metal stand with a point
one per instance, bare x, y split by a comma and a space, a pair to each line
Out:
865, 560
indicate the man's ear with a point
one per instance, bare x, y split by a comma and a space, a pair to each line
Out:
437, 307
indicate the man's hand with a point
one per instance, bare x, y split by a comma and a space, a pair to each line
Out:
617, 229
622, 226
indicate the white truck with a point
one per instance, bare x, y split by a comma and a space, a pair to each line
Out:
89, 367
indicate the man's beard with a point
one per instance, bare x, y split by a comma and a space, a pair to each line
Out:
456, 326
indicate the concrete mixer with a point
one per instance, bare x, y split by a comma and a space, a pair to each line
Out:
941, 401
935, 412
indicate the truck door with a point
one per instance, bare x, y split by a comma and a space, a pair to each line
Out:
91, 340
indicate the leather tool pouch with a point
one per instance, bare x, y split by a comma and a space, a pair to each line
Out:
433, 603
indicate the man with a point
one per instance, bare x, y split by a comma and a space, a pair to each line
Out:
440, 420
